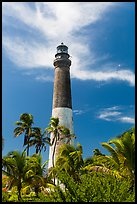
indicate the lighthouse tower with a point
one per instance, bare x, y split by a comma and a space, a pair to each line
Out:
62, 102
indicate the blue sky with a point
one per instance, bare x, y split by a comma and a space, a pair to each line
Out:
101, 40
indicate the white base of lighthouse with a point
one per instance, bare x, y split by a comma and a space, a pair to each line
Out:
65, 119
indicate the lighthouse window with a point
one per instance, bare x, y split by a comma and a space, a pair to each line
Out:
61, 50
59, 56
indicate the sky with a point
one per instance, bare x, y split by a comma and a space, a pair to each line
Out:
101, 42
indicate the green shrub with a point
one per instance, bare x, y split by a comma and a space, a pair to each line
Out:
94, 187
5, 196
13, 198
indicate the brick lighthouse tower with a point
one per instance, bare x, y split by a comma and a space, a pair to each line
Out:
62, 102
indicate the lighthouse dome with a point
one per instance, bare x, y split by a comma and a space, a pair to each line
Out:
62, 48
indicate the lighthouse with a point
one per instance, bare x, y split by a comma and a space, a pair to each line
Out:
62, 101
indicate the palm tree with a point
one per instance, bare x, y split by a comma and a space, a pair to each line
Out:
38, 139
120, 162
22, 170
60, 134
97, 152
70, 160
14, 168
36, 176
123, 152
53, 129
66, 135
24, 126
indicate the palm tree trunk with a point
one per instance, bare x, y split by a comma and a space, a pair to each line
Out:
53, 157
19, 192
28, 150
37, 151
29, 133
36, 191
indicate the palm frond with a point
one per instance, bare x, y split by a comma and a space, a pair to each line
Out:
27, 118
18, 131
117, 142
111, 150
18, 123
45, 163
79, 147
96, 168
31, 142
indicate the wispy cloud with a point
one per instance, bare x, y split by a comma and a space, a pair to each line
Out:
32, 55
123, 75
121, 115
127, 120
109, 116
113, 108
44, 78
45, 19
47, 16
78, 112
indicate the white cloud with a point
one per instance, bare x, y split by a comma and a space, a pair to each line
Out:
122, 115
57, 19
78, 112
127, 120
109, 116
113, 108
50, 14
56, 22
44, 78
124, 75
30, 55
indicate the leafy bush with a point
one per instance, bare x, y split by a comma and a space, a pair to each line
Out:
13, 198
5, 196
94, 187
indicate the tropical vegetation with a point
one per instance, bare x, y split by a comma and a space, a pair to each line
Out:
99, 178
24, 126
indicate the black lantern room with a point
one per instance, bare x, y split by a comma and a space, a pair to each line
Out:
62, 51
